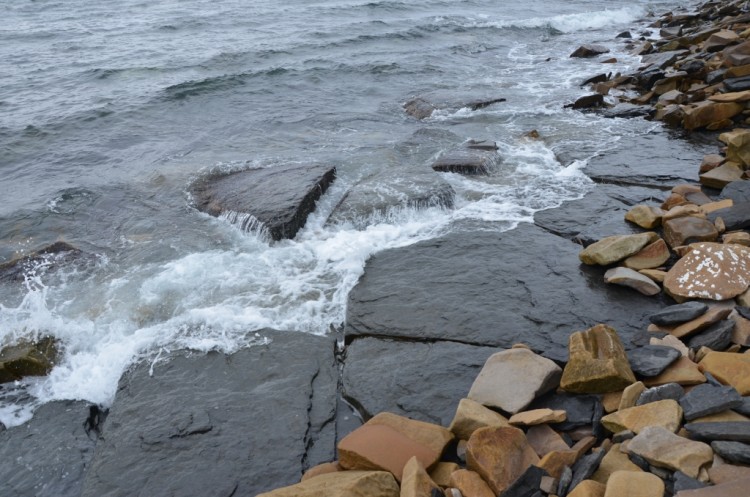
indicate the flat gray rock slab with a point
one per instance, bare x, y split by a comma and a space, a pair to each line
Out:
738, 191
47, 456
493, 289
423, 381
707, 399
678, 314
218, 425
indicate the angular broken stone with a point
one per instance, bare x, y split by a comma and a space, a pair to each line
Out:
342, 484
651, 256
736, 452
526, 485
510, 380
708, 399
28, 359
663, 413
470, 416
628, 484
730, 369
470, 484
465, 162
645, 216
664, 449
537, 417
704, 113
734, 431
630, 395
678, 314
544, 440
632, 279
499, 468
686, 230
615, 248
430, 435
555, 462
711, 271
721, 176
580, 409
597, 363
713, 315
716, 337
416, 482
585, 467
734, 218
652, 360
671, 391
589, 50
683, 371
614, 460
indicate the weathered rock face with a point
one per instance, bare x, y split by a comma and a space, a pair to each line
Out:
470, 416
597, 364
663, 448
470, 162
628, 484
710, 271
664, 413
342, 484
202, 415
707, 112
686, 230
499, 468
430, 435
279, 198
587, 50
645, 216
512, 379
456, 288
49, 455
738, 143
27, 359
721, 176
615, 248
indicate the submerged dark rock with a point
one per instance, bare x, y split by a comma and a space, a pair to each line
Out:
220, 425
28, 359
423, 106
470, 162
49, 455
278, 199
48, 258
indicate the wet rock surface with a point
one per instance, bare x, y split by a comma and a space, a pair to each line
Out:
49, 258
191, 428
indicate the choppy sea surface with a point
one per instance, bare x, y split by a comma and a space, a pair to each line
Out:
109, 110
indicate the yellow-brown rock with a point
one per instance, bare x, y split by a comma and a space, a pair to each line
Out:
673, 200
544, 440
554, 462
721, 176
730, 369
651, 256
685, 230
499, 455
441, 473
28, 359
470, 416
713, 315
615, 248
430, 435
628, 484
744, 299
684, 211
655, 274
470, 484
588, 488
321, 469
614, 460
537, 417
704, 113
741, 330
630, 395
683, 371
738, 145
723, 473
735, 96
611, 401
342, 484
645, 216
718, 205
721, 417
664, 413
664, 449
597, 363
710, 271
416, 482
737, 237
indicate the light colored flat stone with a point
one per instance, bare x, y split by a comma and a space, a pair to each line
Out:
633, 279
629, 484
671, 341
721, 176
537, 417
715, 206
615, 248
664, 449
663, 413
645, 216
470, 416
730, 369
588, 488
499, 468
416, 482
510, 380
470, 484
614, 460
630, 395
721, 417
342, 484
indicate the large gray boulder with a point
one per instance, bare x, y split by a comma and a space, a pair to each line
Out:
218, 425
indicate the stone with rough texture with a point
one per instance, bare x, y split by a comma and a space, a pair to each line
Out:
510, 380
50, 454
736, 217
651, 256
729, 369
470, 416
632, 279
683, 372
738, 144
415, 481
736, 452
277, 199
671, 341
202, 414
470, 484
499, 468
469, 162
628, 484
615, 248
544, 440
652, 360
597, 363
588, 488
722, 473
341, 484
28, 359
686, 230
664, 449
554, 462
663, 413
716, 337
721, 176
441, 472
614, 460
664, 392
734, 488
711, 271
585, 467
537, 417
645, 216
678, 314
707, 112
707, 399
733, 431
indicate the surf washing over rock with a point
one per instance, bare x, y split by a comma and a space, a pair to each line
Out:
104, 146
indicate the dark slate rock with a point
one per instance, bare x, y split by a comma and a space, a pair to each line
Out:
588, 102
678, 314
585, 467
220, 425
481, 104
737, 84
425, 105
693, 67
736, 452
419, 108
49, 455
598, 429
585, 51
662, 60
716, 76
684, 482
639, 461
279, 198
743, 311
580, 409
599, 78
736, 217
735, 431
627, 111
739, 191
466, 162
744, 408
457, 288
718, 336
708, 399
486, 145
526, 485
663, 392
621, 436
565, 478
662, 473
711, 380
423, 381
624, 34
648, 77
651, 360
44, 260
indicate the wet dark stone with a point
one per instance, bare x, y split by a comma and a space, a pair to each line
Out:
736, 452
716, 76
43, 260
627, 111
423, 381
49, 455
648, 77
739, 191
692, 67
279, 197
585, 467
737, 84
662, 60
651, 360
708, 399
466, 162
743, 311
526, 485
718, 336
588, 101
736, 431
684, 482
565, 478
678, 314
481, 104
423, 106
639, 461
599, 78
621, 436
487, 145
580, 409
736, 217
419, 108
585, 51
220, 425
457, 288
744, 408
624, 34
663, 392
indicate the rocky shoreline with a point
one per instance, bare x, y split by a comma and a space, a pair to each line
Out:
436, 331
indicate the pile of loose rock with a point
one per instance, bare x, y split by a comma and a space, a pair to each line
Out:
649, 423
